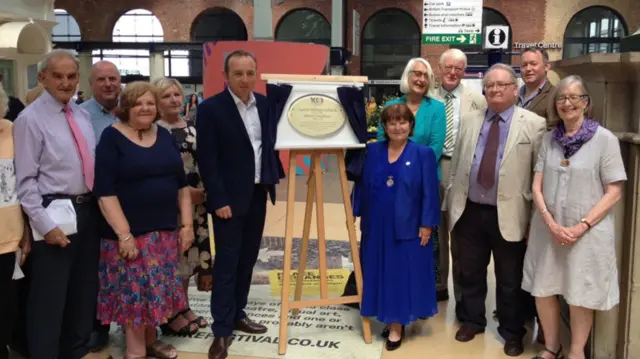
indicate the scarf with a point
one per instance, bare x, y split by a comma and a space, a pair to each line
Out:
571, 145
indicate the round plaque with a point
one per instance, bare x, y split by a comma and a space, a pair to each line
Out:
316, 115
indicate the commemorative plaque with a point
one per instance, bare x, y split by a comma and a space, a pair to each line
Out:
316, 115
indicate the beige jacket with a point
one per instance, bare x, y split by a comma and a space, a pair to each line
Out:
515, 173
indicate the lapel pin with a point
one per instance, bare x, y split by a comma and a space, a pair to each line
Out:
408, 163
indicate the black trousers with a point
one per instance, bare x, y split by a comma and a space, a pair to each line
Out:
61, 306
8, 302
478, 236
237, 242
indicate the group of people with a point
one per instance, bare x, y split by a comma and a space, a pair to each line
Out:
104, 206
521, 174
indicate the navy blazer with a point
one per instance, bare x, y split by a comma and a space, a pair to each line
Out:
417, 198
225, 156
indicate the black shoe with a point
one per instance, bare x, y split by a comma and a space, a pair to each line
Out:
391, 346
442, 295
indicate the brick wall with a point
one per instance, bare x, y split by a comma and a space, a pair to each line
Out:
530, 20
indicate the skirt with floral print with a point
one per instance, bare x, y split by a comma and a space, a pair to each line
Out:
145, 292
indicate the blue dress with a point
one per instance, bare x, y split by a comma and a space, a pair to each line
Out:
399, 283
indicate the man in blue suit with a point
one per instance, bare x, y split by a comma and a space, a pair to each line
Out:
239, 168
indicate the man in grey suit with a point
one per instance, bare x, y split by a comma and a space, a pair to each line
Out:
459, 100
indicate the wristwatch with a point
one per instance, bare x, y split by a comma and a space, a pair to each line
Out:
583, 220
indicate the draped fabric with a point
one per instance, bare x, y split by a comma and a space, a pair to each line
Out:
352, 101
277, 96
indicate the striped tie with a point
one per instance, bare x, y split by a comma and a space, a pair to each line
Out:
449, 140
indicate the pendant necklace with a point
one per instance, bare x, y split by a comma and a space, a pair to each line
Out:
390, 181
140, 132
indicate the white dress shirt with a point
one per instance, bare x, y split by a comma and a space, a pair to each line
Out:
251, 119
457, 92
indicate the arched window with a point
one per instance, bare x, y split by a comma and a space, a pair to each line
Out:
595, 29
214, 24
489, 17
67, 29
304, 25
389, 39
133, 26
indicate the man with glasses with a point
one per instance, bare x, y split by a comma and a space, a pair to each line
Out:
458, 100
488, 200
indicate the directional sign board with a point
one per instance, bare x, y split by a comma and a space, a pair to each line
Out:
496, 37
452, 22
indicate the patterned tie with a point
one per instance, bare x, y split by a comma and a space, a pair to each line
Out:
448, 108
83, 148
486, 172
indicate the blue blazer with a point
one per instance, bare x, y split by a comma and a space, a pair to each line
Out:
431, 124
225, 156
417, 201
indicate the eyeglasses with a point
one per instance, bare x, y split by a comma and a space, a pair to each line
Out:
573, 99
419, 74
500, 86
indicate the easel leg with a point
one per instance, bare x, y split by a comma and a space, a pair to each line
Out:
306, 232
322, 245
288, 244
342, 169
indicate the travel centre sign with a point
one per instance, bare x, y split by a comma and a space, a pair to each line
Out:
452, 22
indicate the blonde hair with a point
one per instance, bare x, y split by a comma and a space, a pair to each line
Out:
405, 86
163, 83
131, 94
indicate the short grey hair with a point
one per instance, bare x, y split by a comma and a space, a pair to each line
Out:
552, 109
4, 103
454, 54
404, 80
44, 64
501, 66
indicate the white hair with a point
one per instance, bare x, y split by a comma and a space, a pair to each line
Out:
500, 66
44, 64
4, 103
454, 54
405, 86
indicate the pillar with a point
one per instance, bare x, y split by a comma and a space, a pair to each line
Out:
86, 63
20, 79
156, 65
337, 31
262, 20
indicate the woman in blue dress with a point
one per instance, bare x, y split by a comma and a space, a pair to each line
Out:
398, 201
418, 86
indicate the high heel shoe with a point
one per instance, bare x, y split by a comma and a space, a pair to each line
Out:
391, 346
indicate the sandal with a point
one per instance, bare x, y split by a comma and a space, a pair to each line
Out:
187, 329
556, 355
161, 350
205, 282
199, 321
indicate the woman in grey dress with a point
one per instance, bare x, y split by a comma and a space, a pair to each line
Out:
571, 251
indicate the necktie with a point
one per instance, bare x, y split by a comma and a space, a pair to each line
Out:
86, 158
448, 109
486, 172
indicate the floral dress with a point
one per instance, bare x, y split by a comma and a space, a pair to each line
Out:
197, 260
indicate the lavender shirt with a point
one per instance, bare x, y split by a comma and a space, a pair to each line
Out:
47, 161
477, 193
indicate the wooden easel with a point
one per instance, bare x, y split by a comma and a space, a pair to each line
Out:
315, 188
